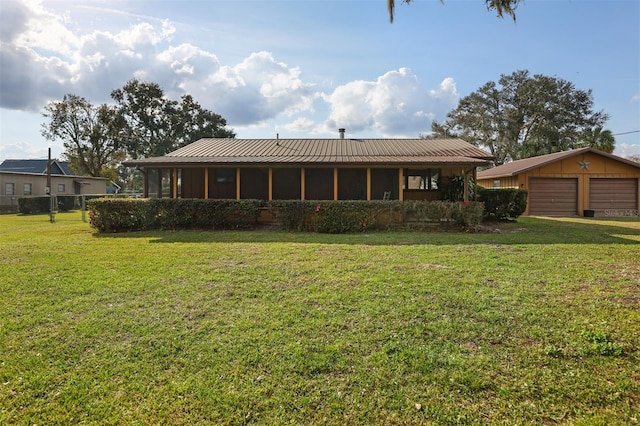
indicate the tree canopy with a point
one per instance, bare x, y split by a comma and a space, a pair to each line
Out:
142, 123
598, 138
523, 116
155, 125
90, 134
501, 7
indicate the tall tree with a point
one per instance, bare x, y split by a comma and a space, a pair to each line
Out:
522, 116
156, 125
598, 138
501, 7
89, 134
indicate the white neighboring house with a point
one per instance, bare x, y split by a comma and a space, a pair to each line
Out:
27, 178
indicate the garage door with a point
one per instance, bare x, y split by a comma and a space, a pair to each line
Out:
613, 193
553, 196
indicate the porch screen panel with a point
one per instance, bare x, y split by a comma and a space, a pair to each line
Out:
318, 184
153, 183
384, 180
352, 184
222, 183
192, 183
254, 183
286, 184
166, 182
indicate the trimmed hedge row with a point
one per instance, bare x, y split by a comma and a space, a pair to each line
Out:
136, 214
118, 215
507, 203
38, 205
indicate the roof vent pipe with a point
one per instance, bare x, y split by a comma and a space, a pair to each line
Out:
341, 131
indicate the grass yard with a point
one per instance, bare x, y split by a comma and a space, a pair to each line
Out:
536, 324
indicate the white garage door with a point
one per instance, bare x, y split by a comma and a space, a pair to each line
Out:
553, 196
613, 194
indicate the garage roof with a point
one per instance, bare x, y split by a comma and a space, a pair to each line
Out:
516, 167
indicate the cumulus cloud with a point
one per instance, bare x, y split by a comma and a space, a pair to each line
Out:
43, 59
395, 104
301, 125
257, 89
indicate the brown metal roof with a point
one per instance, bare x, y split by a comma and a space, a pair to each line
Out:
526, 164
321, 151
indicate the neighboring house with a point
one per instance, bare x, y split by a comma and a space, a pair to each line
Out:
311, 169
23, 178
569, 183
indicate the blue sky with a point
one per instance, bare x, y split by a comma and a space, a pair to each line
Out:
304, 68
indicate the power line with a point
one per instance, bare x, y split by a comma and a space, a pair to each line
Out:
626, 133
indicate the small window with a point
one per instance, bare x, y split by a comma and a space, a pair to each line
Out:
9, 189
496, 183
27, 189
61, 187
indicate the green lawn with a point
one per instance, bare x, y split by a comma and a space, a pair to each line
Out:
536, 324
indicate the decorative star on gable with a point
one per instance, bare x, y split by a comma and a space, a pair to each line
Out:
584, 165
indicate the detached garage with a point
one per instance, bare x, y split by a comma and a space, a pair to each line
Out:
571, 182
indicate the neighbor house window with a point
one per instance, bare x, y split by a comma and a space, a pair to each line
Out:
61, 187
496, 183
27, 189
422, 179
9, 189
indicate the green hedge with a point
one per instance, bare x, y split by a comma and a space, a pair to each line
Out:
135, 214
39, 205
34, 205
508, 203
121, 215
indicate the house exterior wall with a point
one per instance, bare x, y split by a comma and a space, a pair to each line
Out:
583, 167
60, 185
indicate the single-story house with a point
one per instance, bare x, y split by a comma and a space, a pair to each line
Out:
24, 178
311, 169
570, 183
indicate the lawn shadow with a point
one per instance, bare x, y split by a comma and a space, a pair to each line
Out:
527, 230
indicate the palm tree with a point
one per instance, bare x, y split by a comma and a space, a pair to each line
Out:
598, 138
502, 7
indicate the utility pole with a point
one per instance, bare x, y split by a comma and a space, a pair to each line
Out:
48, 189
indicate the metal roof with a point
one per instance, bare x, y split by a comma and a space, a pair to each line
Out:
321, 152
526, 164
36, 166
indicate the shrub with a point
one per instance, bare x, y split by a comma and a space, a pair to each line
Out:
38, 205
135, 214
67, 202
34, 205
295, 215
114, 215
125, 214
206, 214
453, 190
344, 217
358, 216
503, 203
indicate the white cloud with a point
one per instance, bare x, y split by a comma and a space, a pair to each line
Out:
300, 125
20, 151
43, 30
257, 89
635, 98
43, 59
396, 104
